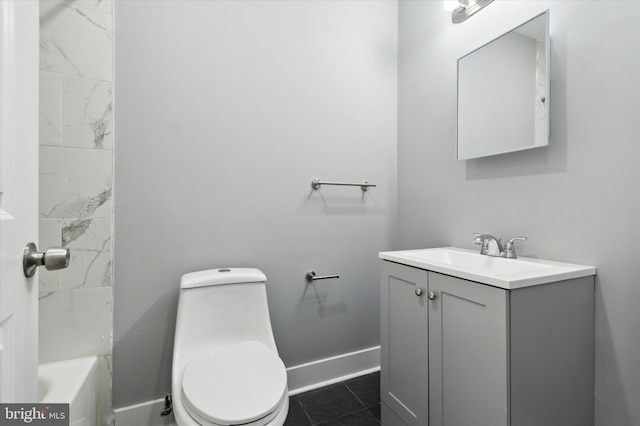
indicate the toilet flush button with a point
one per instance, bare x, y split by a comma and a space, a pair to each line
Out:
224, 270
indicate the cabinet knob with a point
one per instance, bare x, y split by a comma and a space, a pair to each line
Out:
418, 292
432, 295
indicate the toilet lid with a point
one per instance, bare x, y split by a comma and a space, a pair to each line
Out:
234, 384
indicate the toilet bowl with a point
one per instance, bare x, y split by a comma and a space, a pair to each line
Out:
226, 369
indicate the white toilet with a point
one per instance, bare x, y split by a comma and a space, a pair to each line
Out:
226, 369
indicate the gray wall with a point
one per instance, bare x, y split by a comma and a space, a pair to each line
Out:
225, 112
577, 200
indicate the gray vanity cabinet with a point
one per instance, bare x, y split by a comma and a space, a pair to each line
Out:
455, 352
467, 352
404, 348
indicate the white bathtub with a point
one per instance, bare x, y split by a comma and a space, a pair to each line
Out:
72, 381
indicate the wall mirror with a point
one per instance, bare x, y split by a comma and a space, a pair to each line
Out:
503, 93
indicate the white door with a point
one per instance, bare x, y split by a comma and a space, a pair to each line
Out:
19, 34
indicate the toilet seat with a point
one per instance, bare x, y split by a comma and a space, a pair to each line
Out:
235, 384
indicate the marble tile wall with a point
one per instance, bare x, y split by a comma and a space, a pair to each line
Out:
76, 174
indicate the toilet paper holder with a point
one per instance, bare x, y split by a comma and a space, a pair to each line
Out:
312, 276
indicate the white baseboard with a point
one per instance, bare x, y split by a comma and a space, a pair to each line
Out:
301, 378
314, 375
144, 414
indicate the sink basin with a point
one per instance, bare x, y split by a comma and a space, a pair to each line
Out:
496, 271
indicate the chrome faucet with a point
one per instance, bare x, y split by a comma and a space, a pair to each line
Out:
489, 245
492, 246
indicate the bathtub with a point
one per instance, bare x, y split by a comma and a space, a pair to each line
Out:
72, 381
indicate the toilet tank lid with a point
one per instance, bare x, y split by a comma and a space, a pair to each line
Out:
222, 276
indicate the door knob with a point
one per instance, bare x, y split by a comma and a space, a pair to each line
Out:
52, 259
432, 295
418, 292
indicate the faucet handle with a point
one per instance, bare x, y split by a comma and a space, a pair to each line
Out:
509, 249
516, 239
479, 237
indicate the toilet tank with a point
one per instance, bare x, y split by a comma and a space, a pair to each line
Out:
222, 306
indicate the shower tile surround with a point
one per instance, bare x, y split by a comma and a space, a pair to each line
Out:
76, 173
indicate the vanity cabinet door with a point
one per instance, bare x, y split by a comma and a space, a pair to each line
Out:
468, 365
404, 351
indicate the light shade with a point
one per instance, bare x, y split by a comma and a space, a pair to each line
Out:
451, 5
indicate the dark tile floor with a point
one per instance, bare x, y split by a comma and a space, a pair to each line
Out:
354, 402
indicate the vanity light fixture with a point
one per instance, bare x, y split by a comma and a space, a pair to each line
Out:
451, 5
461, 10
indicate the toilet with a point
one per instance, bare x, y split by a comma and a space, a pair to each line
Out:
226, 369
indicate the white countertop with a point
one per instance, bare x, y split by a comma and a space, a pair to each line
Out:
496, 271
